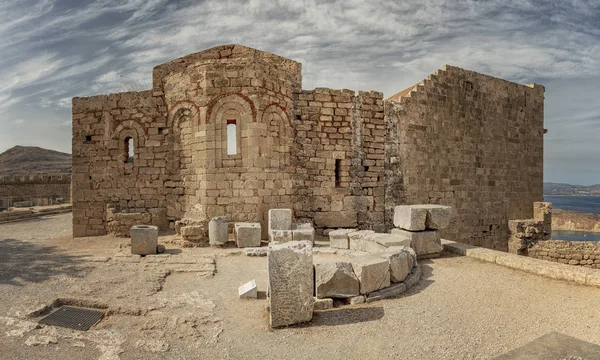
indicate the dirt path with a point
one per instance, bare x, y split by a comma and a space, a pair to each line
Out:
185, 306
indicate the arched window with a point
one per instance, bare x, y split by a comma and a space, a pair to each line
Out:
129, 150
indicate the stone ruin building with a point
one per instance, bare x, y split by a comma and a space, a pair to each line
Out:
230, 131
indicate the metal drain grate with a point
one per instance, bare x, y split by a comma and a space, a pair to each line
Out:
73, 318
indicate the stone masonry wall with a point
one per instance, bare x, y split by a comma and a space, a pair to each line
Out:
470, 141
36, 187
339, 159
526, 233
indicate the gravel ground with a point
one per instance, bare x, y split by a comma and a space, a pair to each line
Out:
183, 306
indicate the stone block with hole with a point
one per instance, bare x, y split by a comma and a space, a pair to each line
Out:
247, 234
144, 239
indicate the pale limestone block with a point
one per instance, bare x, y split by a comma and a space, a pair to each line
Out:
388, 240
247, 234
144, 239
438, 216
409, 217
303, 232
280, 220
373, 273
291, 283
248, 290
339, 238
400, 264
412, 255
423, 242
323, 304
360, 299
357, 241
218, 230
335, 280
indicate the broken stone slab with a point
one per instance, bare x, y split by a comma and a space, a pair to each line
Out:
438, 216
291, 283
144, 239
339, 238
388, 240
248, 290
335, 280
279, 219
247, 234
423, 242
373, 273
303, 232
400, 265
323, 304
412, 255
410, 217
218, 231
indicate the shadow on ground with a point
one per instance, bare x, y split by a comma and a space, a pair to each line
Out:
24, 262
344, 316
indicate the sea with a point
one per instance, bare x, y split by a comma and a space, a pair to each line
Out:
586, 204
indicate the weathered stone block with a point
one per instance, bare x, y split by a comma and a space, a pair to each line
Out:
256, 251
303, 232
388, 240
248, 290
247, 234
339, 238
438, 216
335, 280
144, 239
323, 304
400, 264
218, 231
359, 241
360, 299
281, 236
423, 242
410, 217
412, 255
373, 273
291, 283
281, 220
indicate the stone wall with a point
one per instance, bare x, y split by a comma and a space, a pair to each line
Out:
339, 158
470, 141
582, 253
39, 189
526, 233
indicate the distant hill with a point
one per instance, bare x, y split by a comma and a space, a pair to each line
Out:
23, 160
568, 189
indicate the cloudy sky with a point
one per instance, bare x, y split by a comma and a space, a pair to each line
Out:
53, 50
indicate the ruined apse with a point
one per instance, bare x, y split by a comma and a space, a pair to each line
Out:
229, 131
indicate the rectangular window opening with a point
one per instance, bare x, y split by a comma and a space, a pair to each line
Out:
337, 172
231, 137
130, 150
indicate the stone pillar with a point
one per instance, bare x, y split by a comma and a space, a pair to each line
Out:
218, 231
291, 283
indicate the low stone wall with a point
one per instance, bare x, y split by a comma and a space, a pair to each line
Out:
119, 222
582, 253
525, 233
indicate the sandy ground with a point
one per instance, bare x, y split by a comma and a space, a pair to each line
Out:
184, 305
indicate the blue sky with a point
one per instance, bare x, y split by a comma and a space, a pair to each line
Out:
51, 51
